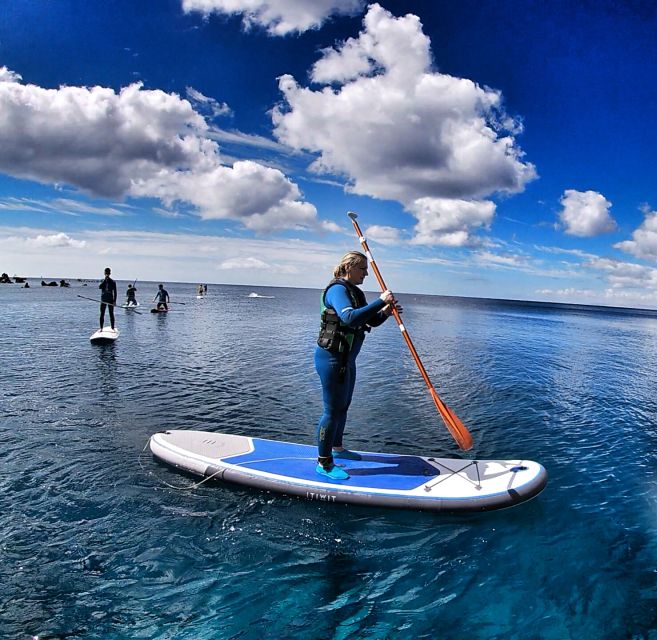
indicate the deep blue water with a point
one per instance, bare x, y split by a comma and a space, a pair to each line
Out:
100, 541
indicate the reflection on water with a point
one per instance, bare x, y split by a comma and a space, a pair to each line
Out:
97, 544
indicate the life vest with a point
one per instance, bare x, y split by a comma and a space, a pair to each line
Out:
334, 335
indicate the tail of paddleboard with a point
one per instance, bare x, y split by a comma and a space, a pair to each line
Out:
105, 335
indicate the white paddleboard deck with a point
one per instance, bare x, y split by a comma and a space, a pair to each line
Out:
104, 335
378, 479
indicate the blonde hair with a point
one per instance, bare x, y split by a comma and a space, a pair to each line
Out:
348, 261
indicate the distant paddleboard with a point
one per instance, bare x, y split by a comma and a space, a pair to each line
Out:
378, 479
104, 336
159, 310
257, 295
131, 305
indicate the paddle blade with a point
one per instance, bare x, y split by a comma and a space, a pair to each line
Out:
458, 430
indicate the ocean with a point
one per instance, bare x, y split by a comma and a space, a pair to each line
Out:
98, 540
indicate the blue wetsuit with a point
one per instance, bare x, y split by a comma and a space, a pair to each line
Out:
338, 389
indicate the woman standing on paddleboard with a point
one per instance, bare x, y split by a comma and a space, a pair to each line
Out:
107, 298
346, 317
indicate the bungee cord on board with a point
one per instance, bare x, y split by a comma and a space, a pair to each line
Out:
195, 485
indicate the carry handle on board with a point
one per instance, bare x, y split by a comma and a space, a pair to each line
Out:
458, 430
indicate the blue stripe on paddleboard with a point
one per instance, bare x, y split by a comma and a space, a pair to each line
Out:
374, 471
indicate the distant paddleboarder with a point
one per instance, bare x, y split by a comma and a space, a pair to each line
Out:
131, 293
162, 298
107, 297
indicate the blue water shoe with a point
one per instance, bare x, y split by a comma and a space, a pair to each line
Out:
334, 473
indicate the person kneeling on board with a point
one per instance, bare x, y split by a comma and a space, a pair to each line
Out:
107, 298
346, 317
131, 296
162, 297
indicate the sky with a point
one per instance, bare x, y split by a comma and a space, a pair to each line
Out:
496, 149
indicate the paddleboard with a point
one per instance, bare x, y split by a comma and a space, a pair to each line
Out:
159, 310
130, 305
378, 479
104, 335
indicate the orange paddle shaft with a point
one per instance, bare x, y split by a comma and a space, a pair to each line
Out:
458, 430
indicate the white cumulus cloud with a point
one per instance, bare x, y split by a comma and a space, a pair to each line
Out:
398, 130
644, 239
7, 75
55, 240
138, 142
262, 198
244, 263
623, 275
279, 17
449, 222
94, 138
586, 213
252, 263
383, 234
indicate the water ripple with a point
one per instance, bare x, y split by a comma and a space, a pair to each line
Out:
100, 541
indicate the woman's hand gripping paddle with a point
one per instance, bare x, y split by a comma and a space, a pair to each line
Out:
458, 430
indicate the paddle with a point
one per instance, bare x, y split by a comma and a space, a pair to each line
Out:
458, 430
118, 306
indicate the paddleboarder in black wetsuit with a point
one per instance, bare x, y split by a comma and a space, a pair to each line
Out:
131, 299
162, 297
107, 297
